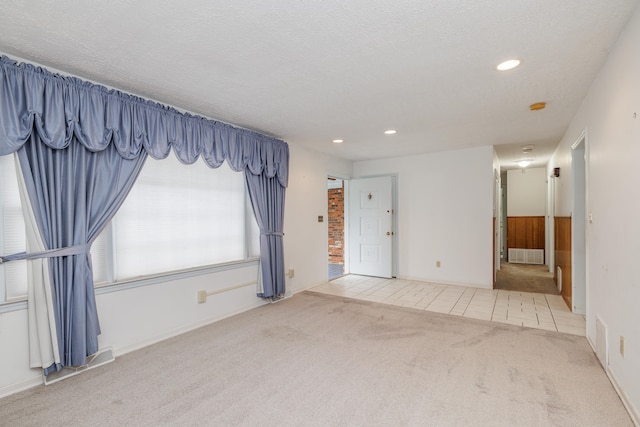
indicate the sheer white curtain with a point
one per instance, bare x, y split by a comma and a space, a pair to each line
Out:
43, 351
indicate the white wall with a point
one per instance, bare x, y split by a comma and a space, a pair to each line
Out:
445, 209
526, 192
610, 114
136, 317
305, 239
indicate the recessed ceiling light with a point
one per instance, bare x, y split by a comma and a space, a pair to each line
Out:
338, 141
390, 131
508, 65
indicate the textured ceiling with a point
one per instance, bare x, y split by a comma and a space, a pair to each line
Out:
309, 72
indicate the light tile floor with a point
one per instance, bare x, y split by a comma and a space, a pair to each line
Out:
526, 309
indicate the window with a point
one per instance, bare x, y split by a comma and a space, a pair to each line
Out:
176, 217
13, 275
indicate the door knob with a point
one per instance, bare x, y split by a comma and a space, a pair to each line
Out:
389, 233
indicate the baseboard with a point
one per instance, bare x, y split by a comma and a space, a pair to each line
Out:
591, 344
306, 288
22, 385
631, 410
119, 351
102, 357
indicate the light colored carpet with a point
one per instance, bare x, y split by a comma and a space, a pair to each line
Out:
323, 360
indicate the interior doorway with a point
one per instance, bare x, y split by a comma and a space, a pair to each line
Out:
524, 211
531, 278
361, 226
337, 255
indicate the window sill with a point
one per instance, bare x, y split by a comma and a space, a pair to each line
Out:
13, 305
105, 288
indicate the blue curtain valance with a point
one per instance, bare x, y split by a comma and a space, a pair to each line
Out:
59, 107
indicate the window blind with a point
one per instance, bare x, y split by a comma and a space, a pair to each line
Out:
13, 275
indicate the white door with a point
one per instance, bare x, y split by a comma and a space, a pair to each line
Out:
370, 224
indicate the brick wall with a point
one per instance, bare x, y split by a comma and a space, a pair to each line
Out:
336, 225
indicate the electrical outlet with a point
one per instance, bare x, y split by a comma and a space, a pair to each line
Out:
291, 273
621, 346
438, 264
202, 296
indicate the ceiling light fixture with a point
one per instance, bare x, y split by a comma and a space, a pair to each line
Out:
338, 141
390, 132
524, 163
508, 65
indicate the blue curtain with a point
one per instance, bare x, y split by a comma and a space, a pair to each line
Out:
264, 176
267, 200
74, 193
81, 147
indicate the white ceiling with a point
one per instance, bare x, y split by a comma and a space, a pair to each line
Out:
312, 71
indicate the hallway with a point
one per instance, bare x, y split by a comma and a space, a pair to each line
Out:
526, 278
530, 310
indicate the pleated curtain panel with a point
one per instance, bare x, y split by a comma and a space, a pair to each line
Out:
80, 148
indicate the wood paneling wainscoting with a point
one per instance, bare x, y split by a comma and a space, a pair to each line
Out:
525, 232
562, 234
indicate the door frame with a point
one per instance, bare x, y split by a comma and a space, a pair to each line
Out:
550, 225
497, 217
579, 209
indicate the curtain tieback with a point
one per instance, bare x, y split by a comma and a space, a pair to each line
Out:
272, 233
51, 253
